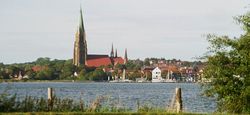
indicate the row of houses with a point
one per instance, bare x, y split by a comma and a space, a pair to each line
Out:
173, 73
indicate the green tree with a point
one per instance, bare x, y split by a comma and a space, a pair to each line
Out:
13, 70
146, 62
135, 74
43, 61
67, 70
228, 68
1, 70
45, 74
99, 75
82, 75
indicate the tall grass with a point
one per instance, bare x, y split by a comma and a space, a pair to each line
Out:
10, 103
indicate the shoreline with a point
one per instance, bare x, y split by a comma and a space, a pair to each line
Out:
44, 81
79, 81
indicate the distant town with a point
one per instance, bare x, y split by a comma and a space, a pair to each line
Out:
103, 67
158, 69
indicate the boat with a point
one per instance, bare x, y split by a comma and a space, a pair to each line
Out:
142, 80
123, 80
169, 81
157, 80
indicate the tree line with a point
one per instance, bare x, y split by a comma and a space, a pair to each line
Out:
46, 69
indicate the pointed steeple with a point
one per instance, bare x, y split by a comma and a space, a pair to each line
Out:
125, 56
112, 51
116, 53
80, 45
81, 24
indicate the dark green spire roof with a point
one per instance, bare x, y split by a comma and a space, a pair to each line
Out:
81, 26
112, 51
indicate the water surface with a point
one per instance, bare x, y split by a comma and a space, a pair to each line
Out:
123, 94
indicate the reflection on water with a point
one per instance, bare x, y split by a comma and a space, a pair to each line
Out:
125, 94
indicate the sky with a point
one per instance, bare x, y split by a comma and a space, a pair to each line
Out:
30, 29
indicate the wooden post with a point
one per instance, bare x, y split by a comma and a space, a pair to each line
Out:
50, 95
178, 100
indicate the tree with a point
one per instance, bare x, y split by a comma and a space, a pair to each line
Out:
46, 74
67, 70
99, 75
43, 61
135, 74
228, 68
12, 70
146, 62
82, 75
164, 74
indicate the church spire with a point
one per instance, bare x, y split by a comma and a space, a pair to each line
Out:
112, 51
81, 24
116, 53
125, 56
80, 45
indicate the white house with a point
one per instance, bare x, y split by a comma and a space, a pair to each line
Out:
156, 75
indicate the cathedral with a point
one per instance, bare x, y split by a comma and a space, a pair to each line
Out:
81, 56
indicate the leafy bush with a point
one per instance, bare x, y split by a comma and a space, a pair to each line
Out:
229, 71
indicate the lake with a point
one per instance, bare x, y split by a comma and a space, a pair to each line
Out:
123, 94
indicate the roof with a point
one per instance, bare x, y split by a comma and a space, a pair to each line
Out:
97, 62
148, 69
107, 69
157, 69
170, 68
96, 56
118, 60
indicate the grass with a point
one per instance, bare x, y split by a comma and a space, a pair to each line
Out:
10, 105
97, 113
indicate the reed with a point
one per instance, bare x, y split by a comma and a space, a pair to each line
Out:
55, 105
99, 113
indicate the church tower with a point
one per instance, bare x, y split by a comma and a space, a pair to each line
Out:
112, 51
80, 44
116, 53
126, 56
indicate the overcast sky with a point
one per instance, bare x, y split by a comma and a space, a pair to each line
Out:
147, 28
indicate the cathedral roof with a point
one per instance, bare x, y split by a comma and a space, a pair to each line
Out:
95, 60
118, 60
95, 56
98, 60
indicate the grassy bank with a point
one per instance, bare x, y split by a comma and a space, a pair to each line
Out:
11, 105
102, 113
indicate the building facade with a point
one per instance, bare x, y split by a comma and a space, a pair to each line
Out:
156, 75
80, 44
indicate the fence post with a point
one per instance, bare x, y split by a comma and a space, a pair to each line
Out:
178, 100
50, 95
